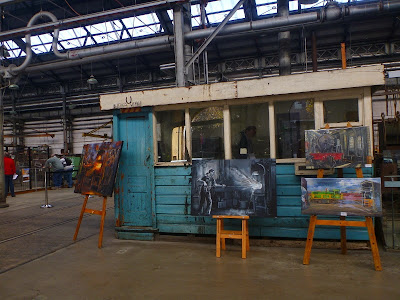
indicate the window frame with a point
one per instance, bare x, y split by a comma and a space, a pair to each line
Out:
364, 114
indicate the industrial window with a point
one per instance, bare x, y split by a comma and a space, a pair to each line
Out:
170, 132
250, 130
292, 118
340, 111
207, 133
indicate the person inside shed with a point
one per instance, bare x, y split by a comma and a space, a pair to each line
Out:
9, 171
57, 168
246, 149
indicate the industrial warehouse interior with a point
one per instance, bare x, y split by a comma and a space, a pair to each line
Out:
205, 149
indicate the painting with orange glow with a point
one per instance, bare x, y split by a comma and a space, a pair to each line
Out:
99, 164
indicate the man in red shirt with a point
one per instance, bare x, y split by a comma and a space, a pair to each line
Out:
9, 171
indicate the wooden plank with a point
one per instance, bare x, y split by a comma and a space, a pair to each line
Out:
173, 190
374, 245
173, 199
288, 190
284, 169
288, 180
288, 200
173, 180
269, 86
173, 171
310, 239
342, 223
173, 209
286, 211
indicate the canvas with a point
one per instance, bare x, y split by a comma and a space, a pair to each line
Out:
240, 187
98, 168
337, 148
341, 196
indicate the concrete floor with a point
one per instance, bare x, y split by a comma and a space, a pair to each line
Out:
38, 260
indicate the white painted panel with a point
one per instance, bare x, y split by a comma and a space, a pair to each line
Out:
279, 85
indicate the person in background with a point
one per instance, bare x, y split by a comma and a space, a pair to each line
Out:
68, 168
9, 171
57, 168
246, 149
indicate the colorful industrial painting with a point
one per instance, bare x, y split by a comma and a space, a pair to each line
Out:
98, 168
337, 148
341, 196
240, 187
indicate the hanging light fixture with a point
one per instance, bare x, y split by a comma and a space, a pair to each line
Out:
13, 86
92, 80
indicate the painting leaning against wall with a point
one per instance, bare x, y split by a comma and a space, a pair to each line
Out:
240, 187
337, 148
99, 164
341, 196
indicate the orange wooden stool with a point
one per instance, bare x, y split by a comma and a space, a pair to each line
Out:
232, 234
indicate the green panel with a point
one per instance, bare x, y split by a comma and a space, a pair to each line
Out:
173, 209
288, 180
288, 190
173, 171
284, 169
173, 190
289, 200
173, 199
126, 235
173, 180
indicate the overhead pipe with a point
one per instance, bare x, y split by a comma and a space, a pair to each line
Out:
89, 18
329, 13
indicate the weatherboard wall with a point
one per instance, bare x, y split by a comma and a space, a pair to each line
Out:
173, 200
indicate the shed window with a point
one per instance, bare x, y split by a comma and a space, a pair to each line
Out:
250, 131
341, 111
292, 118
171, 136
207, 133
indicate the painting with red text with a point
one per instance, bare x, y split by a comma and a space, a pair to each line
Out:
99, 164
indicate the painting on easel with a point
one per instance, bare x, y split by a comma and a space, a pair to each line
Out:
337, 148
341, 196
98, 168
238, 187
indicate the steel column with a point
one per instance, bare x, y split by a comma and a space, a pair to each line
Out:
179, 46
284, 40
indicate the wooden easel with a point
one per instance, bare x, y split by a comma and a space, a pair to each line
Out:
343, 223
101, 213
232, 234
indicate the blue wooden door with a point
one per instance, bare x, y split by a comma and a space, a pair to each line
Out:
133, 202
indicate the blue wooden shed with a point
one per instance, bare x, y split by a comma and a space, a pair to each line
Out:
158, 127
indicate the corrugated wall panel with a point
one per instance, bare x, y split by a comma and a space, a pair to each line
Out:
173, 199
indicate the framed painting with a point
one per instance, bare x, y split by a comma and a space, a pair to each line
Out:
341, 196
337, 148
239, 187
98, 167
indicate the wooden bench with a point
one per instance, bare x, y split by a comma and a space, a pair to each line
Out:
232, 234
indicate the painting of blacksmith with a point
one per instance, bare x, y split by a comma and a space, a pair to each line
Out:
99, 163
337, 148
240, 187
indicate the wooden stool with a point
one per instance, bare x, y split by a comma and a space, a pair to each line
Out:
232, 234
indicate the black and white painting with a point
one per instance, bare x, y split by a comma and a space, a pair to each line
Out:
238, 187
337, 148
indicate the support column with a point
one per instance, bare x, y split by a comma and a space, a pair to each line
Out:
3, 202
64, 116
14, 121
188, 52
284, 41
179, 46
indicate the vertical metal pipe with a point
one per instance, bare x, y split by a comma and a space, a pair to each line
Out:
188, 49
64, 110
3, 202
343, 51
314, 53
14, 121
284, 40
179, 46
